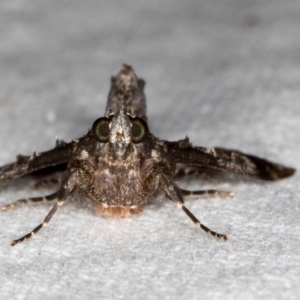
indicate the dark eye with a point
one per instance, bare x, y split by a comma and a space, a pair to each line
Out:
100, 130
139, 130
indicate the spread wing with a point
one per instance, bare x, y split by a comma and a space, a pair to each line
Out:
227, 160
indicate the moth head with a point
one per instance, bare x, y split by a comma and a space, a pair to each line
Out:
121, 131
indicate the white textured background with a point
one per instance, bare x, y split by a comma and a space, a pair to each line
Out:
227, 73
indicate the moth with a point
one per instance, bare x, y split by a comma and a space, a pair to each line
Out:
120, 166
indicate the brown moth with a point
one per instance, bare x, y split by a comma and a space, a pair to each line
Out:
120, 166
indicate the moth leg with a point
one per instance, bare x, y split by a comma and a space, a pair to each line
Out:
62, 194
157, 180
46, 182
207, 192
30, 200
175, 195
36, 229
200, 225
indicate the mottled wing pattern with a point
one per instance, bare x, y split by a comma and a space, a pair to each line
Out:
37, 161
227, 160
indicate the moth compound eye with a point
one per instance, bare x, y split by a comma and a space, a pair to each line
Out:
100, 130
139, 130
